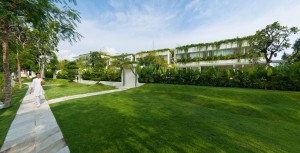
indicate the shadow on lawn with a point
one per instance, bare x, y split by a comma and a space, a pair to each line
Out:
49, 87
152, 130
144, 121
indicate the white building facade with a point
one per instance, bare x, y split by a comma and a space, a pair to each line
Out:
225, 53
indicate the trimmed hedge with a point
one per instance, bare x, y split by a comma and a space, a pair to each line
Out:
104, 75
284, 77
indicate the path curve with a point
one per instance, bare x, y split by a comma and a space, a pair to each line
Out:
35, 130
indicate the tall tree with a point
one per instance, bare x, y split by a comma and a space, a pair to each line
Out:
72, 70
96, 61
53, 64
157, 61
271, 40
19, 33
36, 14
295, 57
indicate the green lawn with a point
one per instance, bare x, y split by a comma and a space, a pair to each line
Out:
24, 80
179, 118
1, 85
60, 88
7, 115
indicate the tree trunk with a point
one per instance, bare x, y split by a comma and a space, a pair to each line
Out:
43, 70
7, 76
123, 75
268, 60
19, 71
27, 74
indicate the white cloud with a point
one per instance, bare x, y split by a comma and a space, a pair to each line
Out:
66, 54
135, 29
111, 51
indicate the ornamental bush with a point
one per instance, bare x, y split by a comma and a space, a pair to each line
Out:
103, 75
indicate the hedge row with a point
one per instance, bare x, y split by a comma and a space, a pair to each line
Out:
284, 77
104, 75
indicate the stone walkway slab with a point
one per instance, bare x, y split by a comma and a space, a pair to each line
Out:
34, 130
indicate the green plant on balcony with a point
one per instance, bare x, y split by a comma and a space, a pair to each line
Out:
212, 58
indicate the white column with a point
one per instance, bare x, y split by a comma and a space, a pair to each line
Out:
168, 57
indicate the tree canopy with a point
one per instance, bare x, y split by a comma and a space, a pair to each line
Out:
272, 39
52, 20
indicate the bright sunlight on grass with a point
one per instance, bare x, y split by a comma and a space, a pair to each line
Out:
60, 88
178, 118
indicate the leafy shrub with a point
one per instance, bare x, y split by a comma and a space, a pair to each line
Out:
285, 77
103, 75
62, 75
49, 74
96, 79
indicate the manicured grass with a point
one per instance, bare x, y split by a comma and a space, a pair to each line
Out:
7, 115
177, 118
60, 88
24, 80
1, 85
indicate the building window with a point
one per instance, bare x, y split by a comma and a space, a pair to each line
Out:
180, 56
193, 55
227, 52
165, 57
217, 53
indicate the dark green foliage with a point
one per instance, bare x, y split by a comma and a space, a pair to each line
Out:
296, 46
49, 74
295, 57
1, 85
104, 75
62, 75
272, 39
258, 77
72, 70
96, 61
211, 58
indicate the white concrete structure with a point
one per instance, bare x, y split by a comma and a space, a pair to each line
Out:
130, 78
224, 53
228, 53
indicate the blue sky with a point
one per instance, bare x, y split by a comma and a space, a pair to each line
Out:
129, 26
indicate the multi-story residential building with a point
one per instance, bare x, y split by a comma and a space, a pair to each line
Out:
85, 57
225, 53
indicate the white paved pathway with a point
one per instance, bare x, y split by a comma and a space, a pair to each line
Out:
35, 130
